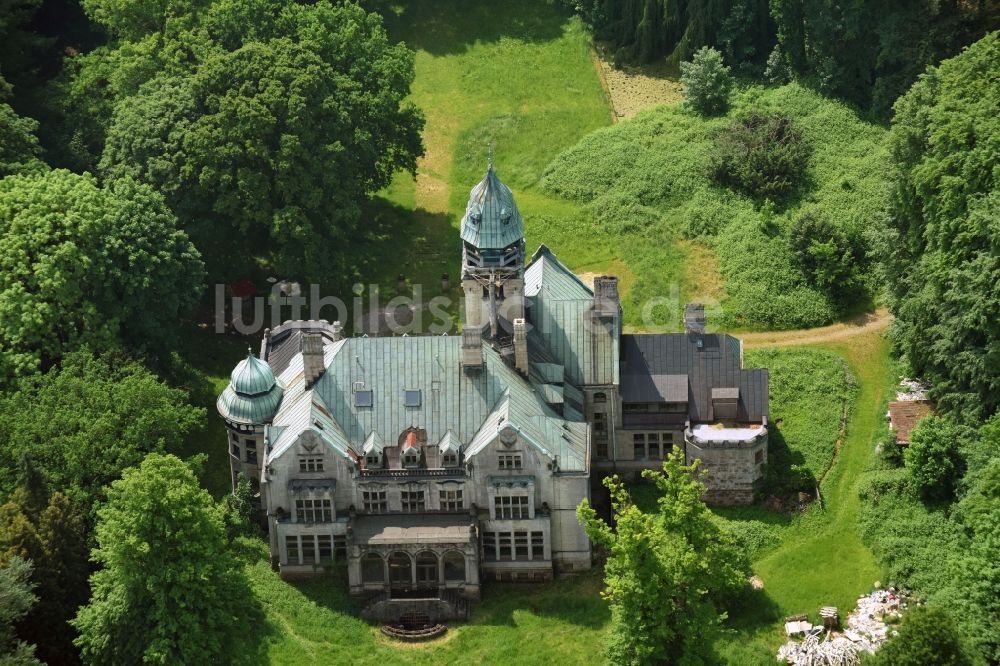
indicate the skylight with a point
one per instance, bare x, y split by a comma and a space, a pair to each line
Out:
411, 397
363, 398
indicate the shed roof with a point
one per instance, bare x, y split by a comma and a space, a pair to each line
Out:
904, 415
413, 529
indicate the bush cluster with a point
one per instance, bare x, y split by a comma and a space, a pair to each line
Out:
761, 155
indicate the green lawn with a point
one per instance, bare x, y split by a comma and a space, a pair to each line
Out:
821, 560
517, 74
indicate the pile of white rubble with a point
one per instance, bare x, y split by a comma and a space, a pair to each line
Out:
866, 631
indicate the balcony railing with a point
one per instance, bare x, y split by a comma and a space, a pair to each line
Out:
413, 471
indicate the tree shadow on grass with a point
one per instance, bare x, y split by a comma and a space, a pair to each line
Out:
785, 472
572, 599
251, 631
444, 27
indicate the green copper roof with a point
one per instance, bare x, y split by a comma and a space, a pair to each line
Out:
492, 221
252, 376
559, 307
253, 394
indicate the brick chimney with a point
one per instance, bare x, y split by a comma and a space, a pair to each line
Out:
694, 319
312, 357
521, 346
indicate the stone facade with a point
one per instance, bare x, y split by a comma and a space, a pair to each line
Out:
430, 464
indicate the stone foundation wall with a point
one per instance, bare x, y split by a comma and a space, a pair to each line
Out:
388, 611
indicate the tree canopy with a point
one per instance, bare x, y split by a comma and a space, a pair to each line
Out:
170, 589
16, 598
85, 265
926, 636
86, 421
707, 82
265, 124
942, 249
668, 572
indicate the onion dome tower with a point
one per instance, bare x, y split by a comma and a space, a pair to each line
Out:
249, 403
492, 256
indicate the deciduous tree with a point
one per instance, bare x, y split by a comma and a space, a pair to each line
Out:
169, 590
926, 636
941, 251
88, 420
16, 598
84, 265
668, 573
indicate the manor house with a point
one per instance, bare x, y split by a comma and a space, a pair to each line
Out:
431, 463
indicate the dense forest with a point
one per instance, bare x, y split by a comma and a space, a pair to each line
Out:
147, 149
868, 53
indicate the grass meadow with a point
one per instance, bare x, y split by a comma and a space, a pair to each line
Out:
646, 186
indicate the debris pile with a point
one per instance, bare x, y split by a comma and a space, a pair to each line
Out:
812, 651
867, 628
912, 389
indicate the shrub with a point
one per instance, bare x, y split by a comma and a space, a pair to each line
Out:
926, 636
933, 457
707, 82
761, 155
825, 253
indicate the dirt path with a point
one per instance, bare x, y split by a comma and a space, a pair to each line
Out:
839, 332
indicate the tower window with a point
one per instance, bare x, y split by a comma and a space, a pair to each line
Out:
363, 398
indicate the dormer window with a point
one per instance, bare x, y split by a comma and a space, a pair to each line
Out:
450, 459
411, 458
373, 459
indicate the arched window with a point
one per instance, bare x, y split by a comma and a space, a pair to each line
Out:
372, 568
427, 568
454, 567
600, 397
399, 569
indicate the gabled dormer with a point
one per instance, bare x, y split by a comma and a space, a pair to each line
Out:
372, 449
450, 450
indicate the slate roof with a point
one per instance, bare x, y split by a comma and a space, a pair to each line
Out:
453, 400
651, 364
491, 219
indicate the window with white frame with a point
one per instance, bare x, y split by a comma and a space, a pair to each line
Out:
412, 500
509, 461
375, 501
515, 546
313, 510
451, 499
310, 464
315, 548
411, 458
510, 507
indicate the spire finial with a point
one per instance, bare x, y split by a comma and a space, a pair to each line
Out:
489, 156
249, 350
